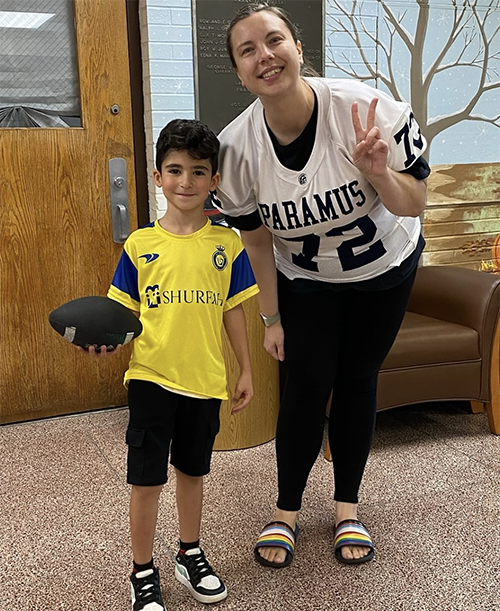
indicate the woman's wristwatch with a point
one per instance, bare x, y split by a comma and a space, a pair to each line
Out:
270, 320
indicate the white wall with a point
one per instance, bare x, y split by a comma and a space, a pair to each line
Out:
167, 51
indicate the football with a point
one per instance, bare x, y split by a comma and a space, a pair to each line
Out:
95, 321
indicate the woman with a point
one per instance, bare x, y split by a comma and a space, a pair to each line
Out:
333, 205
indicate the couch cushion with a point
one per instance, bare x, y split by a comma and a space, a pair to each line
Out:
423, 340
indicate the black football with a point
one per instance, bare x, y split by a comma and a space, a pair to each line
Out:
95, 321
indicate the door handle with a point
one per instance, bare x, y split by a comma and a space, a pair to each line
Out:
124, 223
118, 194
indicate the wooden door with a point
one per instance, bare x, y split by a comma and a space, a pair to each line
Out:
56, 240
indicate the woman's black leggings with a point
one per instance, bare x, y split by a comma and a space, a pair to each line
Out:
334, 341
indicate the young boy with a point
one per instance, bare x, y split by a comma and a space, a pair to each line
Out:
186, 278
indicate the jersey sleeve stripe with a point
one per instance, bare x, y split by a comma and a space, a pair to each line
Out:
419, 169
246, 222
125, 278
124, 299
241, 275
241, 297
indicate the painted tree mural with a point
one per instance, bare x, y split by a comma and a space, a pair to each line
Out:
399, 47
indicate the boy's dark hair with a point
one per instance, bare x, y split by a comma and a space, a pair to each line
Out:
191, 136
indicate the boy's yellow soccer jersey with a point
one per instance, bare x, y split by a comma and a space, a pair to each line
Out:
182, 285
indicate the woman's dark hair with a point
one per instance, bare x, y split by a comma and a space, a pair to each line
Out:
191, 136
251, 9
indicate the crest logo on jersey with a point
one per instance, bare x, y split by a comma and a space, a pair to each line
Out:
219, 258
149, 257
302, 179
153, 295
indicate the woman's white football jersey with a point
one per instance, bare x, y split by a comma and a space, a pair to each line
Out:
327, 221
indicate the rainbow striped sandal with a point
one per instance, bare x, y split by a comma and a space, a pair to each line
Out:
352, 532
277, 534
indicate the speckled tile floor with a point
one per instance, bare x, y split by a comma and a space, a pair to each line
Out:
430, 497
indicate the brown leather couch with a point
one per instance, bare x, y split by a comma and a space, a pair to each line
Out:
448, 345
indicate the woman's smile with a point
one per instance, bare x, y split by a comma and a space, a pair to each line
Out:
269, 73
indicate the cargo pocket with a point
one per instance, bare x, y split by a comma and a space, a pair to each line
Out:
136, 458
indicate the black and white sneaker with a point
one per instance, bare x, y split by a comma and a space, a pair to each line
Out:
146, 593
193, 570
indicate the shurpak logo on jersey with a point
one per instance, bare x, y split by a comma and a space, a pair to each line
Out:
219, 258
155, 297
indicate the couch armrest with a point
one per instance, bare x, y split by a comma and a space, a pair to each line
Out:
472, 299
463, 296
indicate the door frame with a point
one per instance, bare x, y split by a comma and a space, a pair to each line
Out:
138, 125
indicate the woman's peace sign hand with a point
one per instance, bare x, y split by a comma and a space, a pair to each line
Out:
370, 154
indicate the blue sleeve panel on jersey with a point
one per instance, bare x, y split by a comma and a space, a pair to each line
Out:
125, 278
241, 275
420, 169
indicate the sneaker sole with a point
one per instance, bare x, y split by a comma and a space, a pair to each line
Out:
202, 598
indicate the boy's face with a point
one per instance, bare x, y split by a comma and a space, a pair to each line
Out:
185, 181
